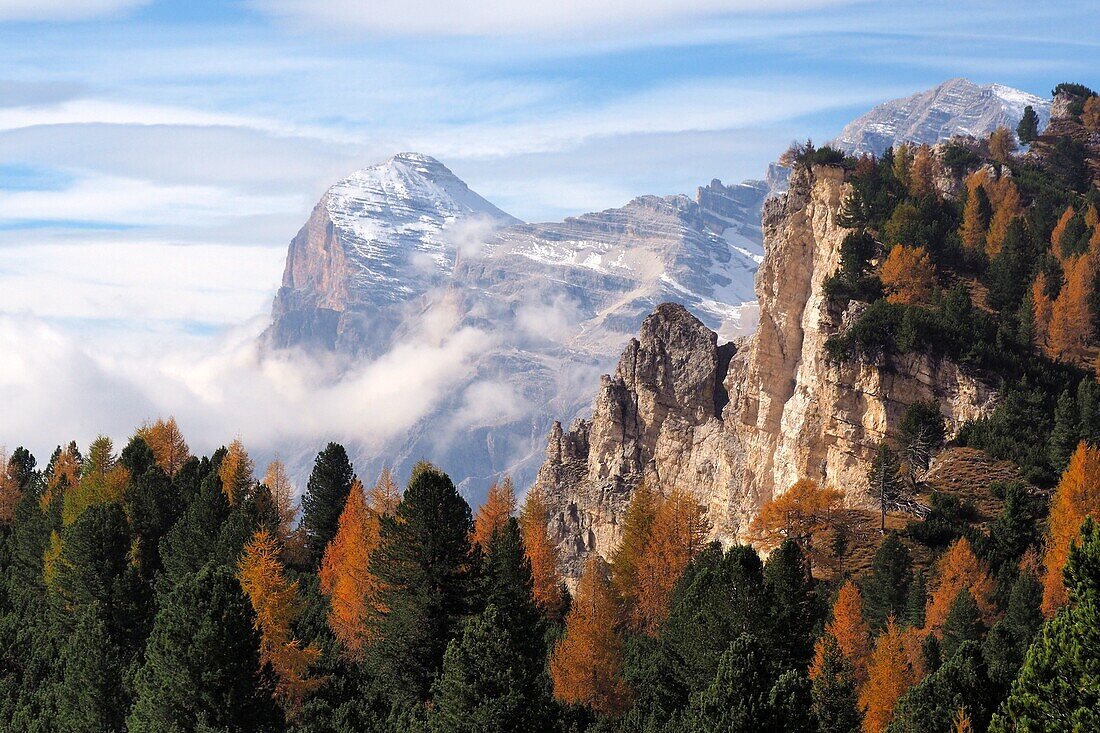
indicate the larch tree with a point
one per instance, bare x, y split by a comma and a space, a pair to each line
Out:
627, 556
10, 490
324, 498
958, 569
976, 213
276, 605
63, 473
167, 443
834, 690
908, 276
534, 521
586, 664
346, 577
278, 483
493, 514
851, 633
102, 479
889, 676
1002, 144
1077, 496
805, 513
922, 173
1090, 114
1005, 199
385, 495
1059, 230
235, 472
1070, 332
1042, 310
679, 531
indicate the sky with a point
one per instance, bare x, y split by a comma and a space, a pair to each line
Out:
157, 156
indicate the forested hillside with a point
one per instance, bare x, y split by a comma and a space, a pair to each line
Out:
146, 589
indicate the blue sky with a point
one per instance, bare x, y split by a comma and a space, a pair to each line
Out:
157, 156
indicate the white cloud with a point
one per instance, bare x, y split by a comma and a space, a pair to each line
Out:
515, 17
64, 9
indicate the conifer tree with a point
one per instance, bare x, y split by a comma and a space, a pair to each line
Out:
1028, 129
1057, 688
884, 479
10, 490
934, 703
586, 664
805, 513
834, 689
167, 443
282, 494
323, 502
384, 496
908, 276
1002, 144
627, 557
202, 664
425, 565
976, 213
509, 589
235, 473
958, 569
276, 605
91, 695
1070, 332
792, 611
102, 479
889, 676
963, 624
849, 631
346, 576
500, 504
1008, 640
1077, 496
534, 519
922, 174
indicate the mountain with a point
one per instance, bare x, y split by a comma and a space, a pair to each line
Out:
956, 107
404, 251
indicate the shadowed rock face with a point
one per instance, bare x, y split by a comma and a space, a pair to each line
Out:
404, 252
735, 426
956, 107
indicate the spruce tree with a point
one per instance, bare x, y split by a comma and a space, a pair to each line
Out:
425, 563
1065, 435
326, 493
886, 588
1028, 129
202, 664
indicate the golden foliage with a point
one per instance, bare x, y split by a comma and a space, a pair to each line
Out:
678, 533
852, 634
804, 513
282, 494
902, 160
534, 521
908, 275
9, 489
889, 676
384, 496
1090, 117
625, 560
1042, 309
1077, 496
276, 603
974, 226
166, 441
494, 513
922, 173
1002, 144
102, 479
961, 723
1004, 198
1059, 230
586, 663
345, 574
236, 472
64, 476
958, 569
1070, 320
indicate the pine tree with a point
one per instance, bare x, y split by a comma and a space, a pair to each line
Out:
884, 479
1008, 640
509, 589
835, 699
1064, 437
534, 519
202, 664
678, 533
792, 610
1057, 688
500, 504
889, 675
346, 576
323, 502
276, 605
1077, 496
922, 433
885, 590
425, 565
102, 479
959, 684
586, 663
235, 473
91, 695
487, 685
1028, 129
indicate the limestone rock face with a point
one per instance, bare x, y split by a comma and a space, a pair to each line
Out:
737, 425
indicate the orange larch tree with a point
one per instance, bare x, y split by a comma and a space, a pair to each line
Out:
384, 496
586, 663
63, 477
278, 483
276, 603
922, 173
975, 219
9, 489
166, 441
1090, 115
625, 559
1005, 200
1002, 144
889, 676
852, 634
679, 532
345, 576
1077, 496
1070, 330
958, 569
908, 275
1041, 310
236, 472
493, 514
1059, 230
803, 513
534, 521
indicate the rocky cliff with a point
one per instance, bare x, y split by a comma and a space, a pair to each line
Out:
736, 424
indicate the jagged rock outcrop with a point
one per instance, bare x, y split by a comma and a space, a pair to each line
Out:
738, 425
